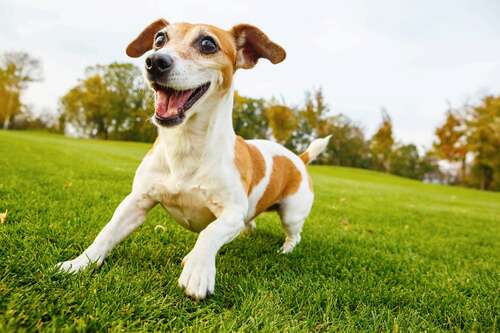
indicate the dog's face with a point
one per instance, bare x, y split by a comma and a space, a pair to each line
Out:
192, 64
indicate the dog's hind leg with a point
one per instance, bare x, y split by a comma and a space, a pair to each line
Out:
250, 227
293, 212
293, 231
129, 215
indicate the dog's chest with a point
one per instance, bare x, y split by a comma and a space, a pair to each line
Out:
191, 205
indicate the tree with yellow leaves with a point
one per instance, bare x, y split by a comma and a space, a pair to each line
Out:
483, 137
451, 143
17, 71
381, 144
282, 121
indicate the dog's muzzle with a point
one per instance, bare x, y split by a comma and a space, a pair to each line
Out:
159, 65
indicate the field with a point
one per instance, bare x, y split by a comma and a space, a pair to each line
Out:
378, 253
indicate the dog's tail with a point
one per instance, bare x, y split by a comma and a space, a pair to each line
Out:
315, 148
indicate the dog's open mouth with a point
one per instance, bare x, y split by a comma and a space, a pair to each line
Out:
171, 105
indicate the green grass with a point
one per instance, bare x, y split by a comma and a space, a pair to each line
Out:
378, 253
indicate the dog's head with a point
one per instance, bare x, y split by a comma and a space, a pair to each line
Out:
194, 63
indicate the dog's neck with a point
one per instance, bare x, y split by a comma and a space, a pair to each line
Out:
208, 135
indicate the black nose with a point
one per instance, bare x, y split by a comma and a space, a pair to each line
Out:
158, 64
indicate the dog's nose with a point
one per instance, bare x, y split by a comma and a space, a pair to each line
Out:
159, 63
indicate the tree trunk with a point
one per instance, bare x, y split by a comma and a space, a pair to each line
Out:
486, 179
8, 115
463, 170
6, 122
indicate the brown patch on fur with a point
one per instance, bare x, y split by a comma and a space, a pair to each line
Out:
285, 180
144, 42
305, 157
250, 163
179, 39
252, 44
228, 48
182, 28
182, 37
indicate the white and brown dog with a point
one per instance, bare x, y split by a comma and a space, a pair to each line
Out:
210, 180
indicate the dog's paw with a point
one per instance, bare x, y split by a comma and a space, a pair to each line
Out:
198, 276
74, 266
250, 228
285, 249
289, 244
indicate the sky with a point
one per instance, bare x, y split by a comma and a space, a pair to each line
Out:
412, 58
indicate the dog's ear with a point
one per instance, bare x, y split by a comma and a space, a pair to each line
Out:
252, 44
144, 42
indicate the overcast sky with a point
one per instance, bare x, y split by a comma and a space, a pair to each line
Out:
409, 57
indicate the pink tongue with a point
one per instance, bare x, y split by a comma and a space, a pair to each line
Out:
167, 106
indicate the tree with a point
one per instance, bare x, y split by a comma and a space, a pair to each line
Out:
111, 102
348, 146
381, 144
282, 121
304, 130
311, 121
316, 110
249, 118
407, 162
483, 137
450, 144
29, 120
17, 71
86, 107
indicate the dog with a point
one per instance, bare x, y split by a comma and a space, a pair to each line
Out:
210, 180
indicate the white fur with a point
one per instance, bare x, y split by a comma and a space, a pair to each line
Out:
191, 172
317, 147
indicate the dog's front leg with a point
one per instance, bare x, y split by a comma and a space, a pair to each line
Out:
198, 275
129, 215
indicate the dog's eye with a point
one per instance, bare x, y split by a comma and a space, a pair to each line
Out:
160, 39
208, 45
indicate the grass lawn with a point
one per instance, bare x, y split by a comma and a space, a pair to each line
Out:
378, 253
